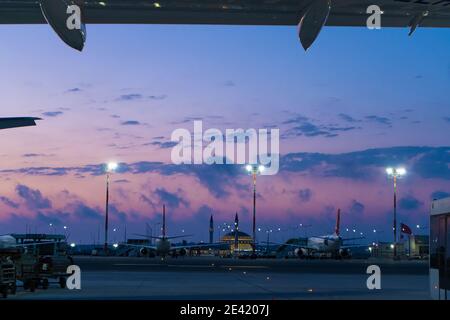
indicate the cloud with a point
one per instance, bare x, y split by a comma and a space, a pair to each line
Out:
409, 203
347, 118
9, 202
171, 199
130, 97
122, 181
116, 213
34, 155
380, 120
73, 90
139, 96
163, 145
436, 195
357, 208
365, 165
54, 217
130, 123
33, 197
83, 211
229, 83
160, 97
204, 212
424, 162
52, 113
305, 194
303, 126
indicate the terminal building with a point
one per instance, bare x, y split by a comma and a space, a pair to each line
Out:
237, 242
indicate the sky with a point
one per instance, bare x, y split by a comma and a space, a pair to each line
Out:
356, 102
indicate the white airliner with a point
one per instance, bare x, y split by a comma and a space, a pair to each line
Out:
7, 242
68, 18
329, 244
163, 245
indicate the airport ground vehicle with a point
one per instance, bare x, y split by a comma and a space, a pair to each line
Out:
7, 277
44, 258
440, 249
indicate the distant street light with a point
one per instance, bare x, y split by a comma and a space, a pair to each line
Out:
395, 173
254, 170
110, 168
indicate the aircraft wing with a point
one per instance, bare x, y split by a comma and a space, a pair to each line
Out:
6, 123
199, 246
168, 238
138, 246
310, 15
350, 239
292, 245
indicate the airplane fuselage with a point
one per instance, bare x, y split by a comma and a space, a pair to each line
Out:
7, 242
163, 247
330, 243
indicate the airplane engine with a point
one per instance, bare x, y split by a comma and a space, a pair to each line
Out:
143, 251
182, 252
301, 253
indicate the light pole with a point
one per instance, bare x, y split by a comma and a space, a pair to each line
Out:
254, 171
395, 173
110, 168
268, 231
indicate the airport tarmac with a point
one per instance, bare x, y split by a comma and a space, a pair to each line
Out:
201, 278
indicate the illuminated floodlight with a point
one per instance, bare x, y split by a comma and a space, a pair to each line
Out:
111, 166
392, 246
397, 172
72, 245
261, 168
249, 168
115, 245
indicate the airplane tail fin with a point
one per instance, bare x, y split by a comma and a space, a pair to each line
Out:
164, 221
338, 223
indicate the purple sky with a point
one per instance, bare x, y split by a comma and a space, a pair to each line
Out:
357, 102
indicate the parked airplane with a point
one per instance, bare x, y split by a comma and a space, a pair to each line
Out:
7, 241
163, 245
328, 244
68, 18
